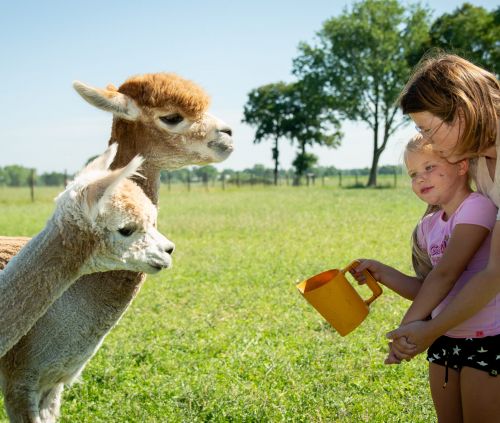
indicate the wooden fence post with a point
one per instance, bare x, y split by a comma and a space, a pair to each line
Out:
32, 185
205, 181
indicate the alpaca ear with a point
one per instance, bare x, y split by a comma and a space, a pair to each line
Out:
109, 99
102, 162
99, 191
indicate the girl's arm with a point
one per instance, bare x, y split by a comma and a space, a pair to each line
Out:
404, 285
474, 296
464, 242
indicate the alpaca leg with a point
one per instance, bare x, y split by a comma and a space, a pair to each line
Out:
21, 403
50, 404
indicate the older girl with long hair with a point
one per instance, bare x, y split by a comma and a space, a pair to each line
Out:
456, 106
450, 245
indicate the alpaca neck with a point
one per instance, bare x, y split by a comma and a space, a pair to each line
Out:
33, 280
150, 184
117, 289
130, 141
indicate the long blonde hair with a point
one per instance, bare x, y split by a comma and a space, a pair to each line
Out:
420, 259
446, 85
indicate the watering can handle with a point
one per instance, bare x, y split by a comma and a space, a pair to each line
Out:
370, 281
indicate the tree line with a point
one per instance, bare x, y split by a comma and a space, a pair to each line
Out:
355, 70
19, 176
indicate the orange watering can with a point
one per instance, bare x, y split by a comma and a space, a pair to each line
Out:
331, 294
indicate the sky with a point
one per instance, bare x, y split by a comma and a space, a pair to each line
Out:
227, 47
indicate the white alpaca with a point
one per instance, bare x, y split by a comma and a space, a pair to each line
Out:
102, 221
163, 118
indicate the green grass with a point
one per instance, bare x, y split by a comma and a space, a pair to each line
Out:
225, 335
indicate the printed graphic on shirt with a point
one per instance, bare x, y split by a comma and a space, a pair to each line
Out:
436, 250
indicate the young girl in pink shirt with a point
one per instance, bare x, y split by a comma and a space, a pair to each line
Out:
451, 244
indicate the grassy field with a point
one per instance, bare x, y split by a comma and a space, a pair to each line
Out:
224, 336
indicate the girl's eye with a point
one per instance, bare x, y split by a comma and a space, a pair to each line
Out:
127, 230
172, 119
429, 168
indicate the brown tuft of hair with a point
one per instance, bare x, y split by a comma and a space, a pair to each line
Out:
446, 85
157, 90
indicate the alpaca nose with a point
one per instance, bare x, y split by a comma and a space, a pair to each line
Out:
170, 249
227, 130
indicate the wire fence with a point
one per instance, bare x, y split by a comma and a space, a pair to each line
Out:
222, 181
341, 180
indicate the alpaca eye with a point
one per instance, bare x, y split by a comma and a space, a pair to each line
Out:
172, 119
127, 230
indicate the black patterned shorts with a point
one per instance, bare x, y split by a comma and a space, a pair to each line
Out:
478, 353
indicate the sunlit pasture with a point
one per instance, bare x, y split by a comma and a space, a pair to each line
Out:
225, 336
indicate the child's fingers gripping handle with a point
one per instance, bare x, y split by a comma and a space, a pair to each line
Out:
351, 266
370, 281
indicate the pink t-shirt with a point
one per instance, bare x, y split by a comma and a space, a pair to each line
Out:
433, 235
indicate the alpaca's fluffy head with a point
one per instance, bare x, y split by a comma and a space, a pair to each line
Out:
164, 117
109, 210
165, 90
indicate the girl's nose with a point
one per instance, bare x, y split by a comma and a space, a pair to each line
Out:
420, 177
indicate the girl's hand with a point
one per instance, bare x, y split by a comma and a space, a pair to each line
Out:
400, 349
403, 349
391, 357
374, 267
418, 337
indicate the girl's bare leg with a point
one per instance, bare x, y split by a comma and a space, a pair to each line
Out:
447, 400
480, 396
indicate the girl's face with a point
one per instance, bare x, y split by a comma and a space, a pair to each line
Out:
433, 179
443, 136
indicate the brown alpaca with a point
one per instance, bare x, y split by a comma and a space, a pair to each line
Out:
163, 118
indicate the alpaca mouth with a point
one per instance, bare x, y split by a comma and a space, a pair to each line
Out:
221, 147
156, 267
154, 270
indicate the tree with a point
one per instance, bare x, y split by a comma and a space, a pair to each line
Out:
4, 177
17, 176
292, 111
267, 110
361, 63
312, 122
180, 175
304, 162
471, 32
53, 178
206, 172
